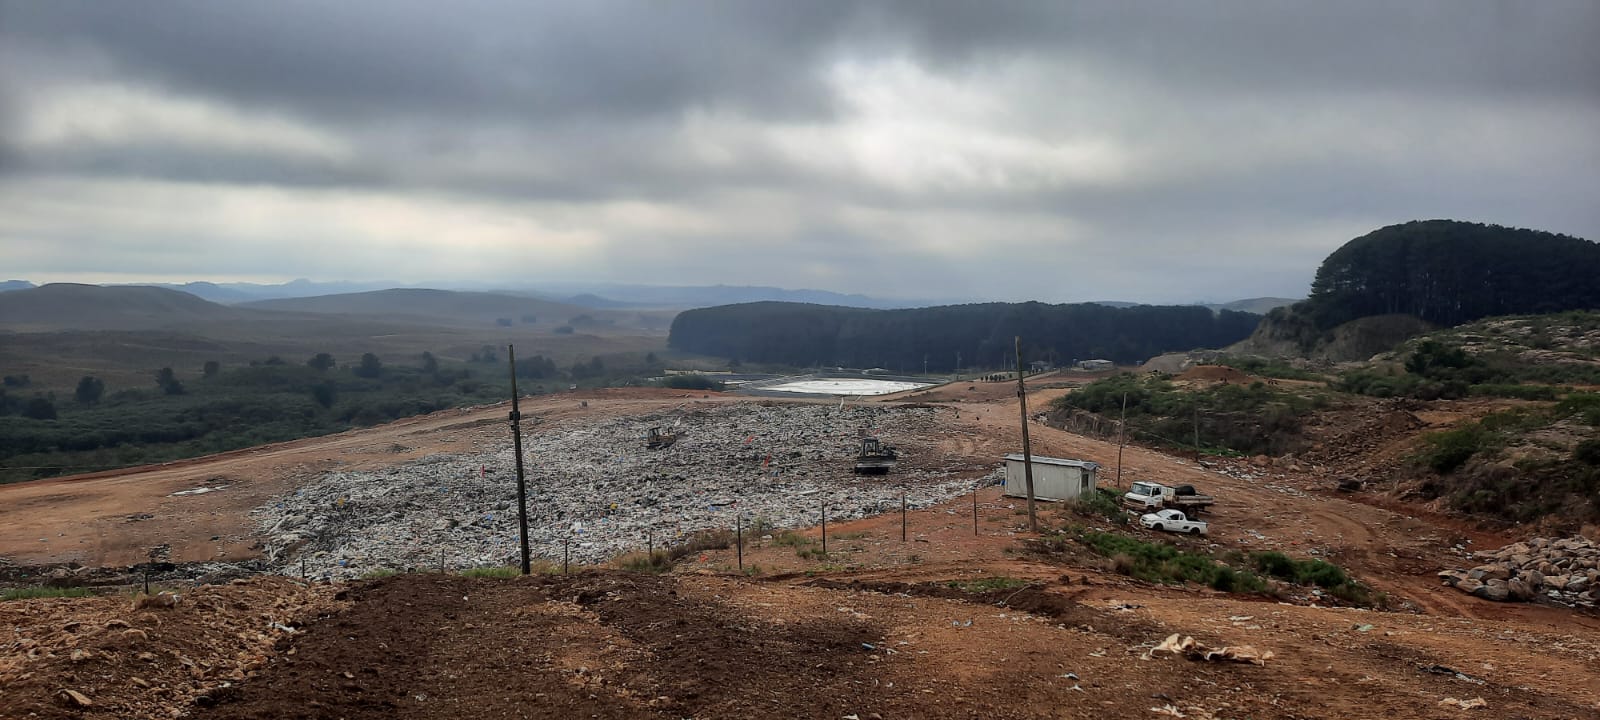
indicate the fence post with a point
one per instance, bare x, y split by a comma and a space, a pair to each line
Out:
902, 516
738, 539
566, 553
824, 528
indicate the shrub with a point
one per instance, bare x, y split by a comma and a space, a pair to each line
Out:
657, 562
1587, 452
1103, 503
1451, 449
1585, 406
987, 584
1276, 564
504, 571
790, 538
1321, 574
378, 573
31, 593
700, 542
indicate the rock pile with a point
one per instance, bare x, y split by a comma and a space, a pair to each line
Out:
594, 489
1565, 571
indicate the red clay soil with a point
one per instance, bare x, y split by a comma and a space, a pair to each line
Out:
1216, 373
605, 644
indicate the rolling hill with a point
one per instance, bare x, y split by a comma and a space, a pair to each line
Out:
67, 306
458, 308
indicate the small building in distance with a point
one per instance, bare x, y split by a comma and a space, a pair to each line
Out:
1093, 365
1054, 479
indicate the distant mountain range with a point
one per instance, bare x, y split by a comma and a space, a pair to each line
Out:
608, 296
1259, 306
457, 307
69, 306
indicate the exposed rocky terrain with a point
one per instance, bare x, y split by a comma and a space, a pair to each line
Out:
1561, 570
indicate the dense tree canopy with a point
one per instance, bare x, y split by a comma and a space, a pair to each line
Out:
1449, 273
902, 340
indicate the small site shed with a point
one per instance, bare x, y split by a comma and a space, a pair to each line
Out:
1054, 479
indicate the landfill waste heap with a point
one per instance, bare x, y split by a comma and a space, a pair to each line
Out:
594, 487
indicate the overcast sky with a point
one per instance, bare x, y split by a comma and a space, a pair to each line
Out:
1148, 151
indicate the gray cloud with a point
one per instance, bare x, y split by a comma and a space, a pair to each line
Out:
1162, 151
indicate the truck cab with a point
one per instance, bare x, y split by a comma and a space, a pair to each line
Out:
1147, 495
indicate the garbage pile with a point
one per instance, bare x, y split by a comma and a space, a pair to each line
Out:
1565, 571
594, 490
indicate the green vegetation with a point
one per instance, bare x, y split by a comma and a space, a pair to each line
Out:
1161, 562
1542, 477
1233, 419
790, 538
1268, 367
656, 562
90, 390
379, 573
31, 593
225, 408
1449, 449
1440, 367
238, 407
1448, 273
805, 335
691, 382
1103, 502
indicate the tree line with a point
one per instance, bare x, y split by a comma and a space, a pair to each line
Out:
1448, 273
940, 338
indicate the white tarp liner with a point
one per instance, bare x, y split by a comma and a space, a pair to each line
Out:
847, 386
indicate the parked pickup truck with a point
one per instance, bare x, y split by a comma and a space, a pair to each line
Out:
1173, 521
1151, 496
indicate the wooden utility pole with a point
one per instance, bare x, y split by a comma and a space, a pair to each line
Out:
516, 446
1122, 425
1027, 447
1197, 431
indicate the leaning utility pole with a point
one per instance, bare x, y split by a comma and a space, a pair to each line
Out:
1122, 426
516, 445
1027, 447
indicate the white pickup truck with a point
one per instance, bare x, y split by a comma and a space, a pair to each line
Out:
1173, 521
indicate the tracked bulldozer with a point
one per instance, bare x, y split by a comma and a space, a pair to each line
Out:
661, 438
875, 457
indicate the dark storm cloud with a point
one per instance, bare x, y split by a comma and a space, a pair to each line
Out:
538, 62
1267, 131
